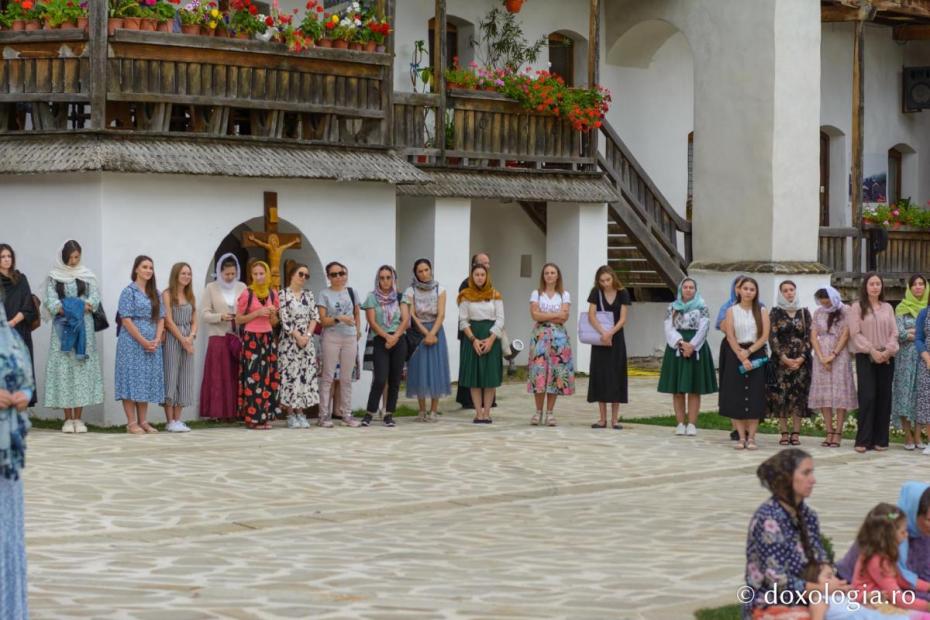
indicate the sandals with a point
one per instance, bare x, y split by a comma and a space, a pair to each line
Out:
535, 419
134, 429
617, 427
795, 439
836, 444
148, 428
826, 443
751, 444
860, 449
599, 425
784, 439
740, 445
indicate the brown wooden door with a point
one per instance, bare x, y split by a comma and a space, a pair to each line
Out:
562, 57
824, 179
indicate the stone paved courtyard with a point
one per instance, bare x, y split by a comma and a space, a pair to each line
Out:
442, 521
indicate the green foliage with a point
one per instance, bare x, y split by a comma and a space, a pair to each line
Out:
502, 44
903, 213
164, 11
728, 612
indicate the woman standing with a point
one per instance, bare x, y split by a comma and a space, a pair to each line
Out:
873, 334
219, 389
181, 325
921, 340
387, 316
608, 381
790, 340
687, 367
832, 386
296, 353
719, 326
742, 394
17, 301
140, 367
259, 379
481, 362
15, 395
904, 388
428, 366
72, 382
551, 364
341, 321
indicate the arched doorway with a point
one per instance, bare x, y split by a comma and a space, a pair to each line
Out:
568, 54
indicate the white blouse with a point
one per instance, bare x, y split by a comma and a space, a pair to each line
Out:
697, 319
744, 325
482, 311
550, 305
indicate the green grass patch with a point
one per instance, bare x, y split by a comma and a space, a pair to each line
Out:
727, 612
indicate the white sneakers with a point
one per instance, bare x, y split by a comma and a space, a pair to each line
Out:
690, 430
297, 420
73, 426
68, 426
926, 451
680, 429
177, 426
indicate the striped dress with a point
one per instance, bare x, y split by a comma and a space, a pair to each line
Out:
179, 364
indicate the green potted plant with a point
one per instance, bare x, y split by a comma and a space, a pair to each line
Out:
115, 11
503, 45
243, 19
311, 26
147, 15
19, 13
190, 15
128, 11
164, 15
212, 19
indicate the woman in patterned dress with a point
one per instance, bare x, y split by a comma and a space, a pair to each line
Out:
551, 363
297, 359
16, 387
181, 331
832, 388
72, 383
428, 367
790, 342
688, 366
921, 340
259, 379
140, 367
904, 388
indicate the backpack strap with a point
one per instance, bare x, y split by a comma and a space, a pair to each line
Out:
352, 297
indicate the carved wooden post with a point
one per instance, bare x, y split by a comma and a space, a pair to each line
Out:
858, 111
439, 76
387, 11
98, 63
594, 55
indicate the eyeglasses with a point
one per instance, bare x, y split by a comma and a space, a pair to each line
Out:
337, 274
303, 275
385, 277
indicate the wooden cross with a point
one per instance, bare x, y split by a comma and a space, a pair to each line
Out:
273, 242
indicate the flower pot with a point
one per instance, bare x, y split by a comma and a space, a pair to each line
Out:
243, 35
69, 25
341, 44
148, 24
326, 42
513, 6
18, 25
33, 24
163, 27
371, 46
49, 26
207, 31
113, 23
380, 49
309, 42
132, 23
82, 23
190, 28
421, 159
356, 46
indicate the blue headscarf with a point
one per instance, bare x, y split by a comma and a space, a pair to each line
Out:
730, 302
909, 501
681, 306
15, 376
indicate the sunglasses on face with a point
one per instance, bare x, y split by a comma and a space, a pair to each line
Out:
337, 274
386, 277
303, 275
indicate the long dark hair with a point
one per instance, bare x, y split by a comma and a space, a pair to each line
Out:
832, 317
70, 247
291, 270
14, 275
864, 305
151, 289
756, 307
776, 474
878, 534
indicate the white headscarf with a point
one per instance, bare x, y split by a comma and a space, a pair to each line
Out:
218, 273
61, 272
784, 304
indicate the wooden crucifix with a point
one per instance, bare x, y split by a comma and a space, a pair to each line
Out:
273, 242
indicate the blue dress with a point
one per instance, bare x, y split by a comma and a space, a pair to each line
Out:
140, 376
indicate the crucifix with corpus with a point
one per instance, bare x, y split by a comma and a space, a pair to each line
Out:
273, 242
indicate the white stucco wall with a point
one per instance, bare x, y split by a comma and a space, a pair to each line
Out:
175, 218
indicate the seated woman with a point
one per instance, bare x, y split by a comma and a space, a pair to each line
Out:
913, 553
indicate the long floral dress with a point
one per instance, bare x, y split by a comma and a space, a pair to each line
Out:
70, 382
299, 386
139, 374
904, 388
551, 363
833, 388
922, 415
790, 336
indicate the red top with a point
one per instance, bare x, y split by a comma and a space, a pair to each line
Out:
261, 324
880, 574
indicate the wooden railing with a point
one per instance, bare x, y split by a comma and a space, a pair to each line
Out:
163, 82
415, 126
906, 252
645, 212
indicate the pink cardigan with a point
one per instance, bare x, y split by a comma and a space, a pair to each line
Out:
878, 329
258, 325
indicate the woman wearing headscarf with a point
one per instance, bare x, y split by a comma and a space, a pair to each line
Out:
481, 361
921, 339
218, 391
17, 301
72, 381
904, 386
833, 390
687, 367
428, 367
387, 316
259, 378
790, 343
16, 391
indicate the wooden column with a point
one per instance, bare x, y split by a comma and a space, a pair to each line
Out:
439, 76
98, 63
594, 56
858, 109
386, 11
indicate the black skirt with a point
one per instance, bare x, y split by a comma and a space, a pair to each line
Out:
608, 381
742, 396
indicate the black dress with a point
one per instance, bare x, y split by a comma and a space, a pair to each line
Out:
17, 297
608, 382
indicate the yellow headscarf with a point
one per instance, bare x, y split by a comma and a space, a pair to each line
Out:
911, 304
474, 294
261, 290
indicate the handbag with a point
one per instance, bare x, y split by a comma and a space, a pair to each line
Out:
36, 322
414, 338
586, 332
233, 345
100, 318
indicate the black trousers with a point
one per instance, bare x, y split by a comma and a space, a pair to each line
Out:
388, 369
875, 382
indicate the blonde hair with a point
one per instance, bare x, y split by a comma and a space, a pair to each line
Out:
174, 286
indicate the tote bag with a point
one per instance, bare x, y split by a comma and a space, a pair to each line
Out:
586, 332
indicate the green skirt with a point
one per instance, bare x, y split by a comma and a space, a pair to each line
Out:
480, 371
683, 375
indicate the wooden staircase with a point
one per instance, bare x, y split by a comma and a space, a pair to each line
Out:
643, 241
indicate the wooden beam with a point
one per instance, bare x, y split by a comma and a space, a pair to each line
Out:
594, 69
439, 75
838, 13
858, 113
387, 85
910, 8
911, 33
98, 63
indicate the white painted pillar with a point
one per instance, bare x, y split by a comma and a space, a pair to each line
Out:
576, 240
451, 256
